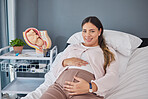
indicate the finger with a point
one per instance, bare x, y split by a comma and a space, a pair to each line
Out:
70, 83
77, 78
85, 62
80, 64
69, 90
68, 86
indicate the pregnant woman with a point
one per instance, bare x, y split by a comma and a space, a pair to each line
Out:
87, 70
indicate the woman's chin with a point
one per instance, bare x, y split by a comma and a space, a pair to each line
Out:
86, 44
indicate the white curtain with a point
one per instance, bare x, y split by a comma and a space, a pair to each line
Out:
8, 21
7, 30
11, 19
4, 24
3, 37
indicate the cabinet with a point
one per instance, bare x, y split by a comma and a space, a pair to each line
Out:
27, 62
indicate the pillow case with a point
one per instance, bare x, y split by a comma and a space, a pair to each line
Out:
123, 43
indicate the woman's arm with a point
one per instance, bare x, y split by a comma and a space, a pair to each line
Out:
110, 79
100, 86
74, 62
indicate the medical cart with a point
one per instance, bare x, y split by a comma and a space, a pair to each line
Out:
27, 62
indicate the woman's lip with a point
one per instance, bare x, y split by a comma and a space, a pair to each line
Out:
88, 39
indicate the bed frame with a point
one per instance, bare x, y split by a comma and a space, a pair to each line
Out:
144, 43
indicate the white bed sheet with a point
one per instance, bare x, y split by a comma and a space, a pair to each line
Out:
134, 83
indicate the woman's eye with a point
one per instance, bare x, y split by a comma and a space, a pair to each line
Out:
84, 31
92, 31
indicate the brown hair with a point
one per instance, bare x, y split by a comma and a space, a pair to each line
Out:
108, 55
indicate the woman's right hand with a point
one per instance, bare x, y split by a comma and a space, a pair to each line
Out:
74, 62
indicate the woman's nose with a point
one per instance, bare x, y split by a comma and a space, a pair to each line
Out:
87, 34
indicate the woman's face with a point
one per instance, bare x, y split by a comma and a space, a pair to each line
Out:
90, 34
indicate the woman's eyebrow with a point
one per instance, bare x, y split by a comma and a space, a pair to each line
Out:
91, 29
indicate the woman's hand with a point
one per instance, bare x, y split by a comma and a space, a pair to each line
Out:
76, 88
74, 62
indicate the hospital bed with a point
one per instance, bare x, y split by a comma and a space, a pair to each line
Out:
133, 68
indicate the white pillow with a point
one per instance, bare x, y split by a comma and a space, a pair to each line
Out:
122, 42
75, 38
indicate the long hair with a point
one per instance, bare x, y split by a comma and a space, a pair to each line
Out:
108, 55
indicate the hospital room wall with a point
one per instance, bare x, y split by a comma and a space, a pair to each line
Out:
26, 16
62, 18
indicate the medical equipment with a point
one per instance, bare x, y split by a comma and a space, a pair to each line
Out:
27, 62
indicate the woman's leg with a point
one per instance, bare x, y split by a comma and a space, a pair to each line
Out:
54, 92
57, 92
86, 96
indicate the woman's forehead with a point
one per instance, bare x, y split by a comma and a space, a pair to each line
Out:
89, 26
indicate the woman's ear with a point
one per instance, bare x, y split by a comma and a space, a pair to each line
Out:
100, 31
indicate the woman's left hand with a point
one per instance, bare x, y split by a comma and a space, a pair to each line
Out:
75, 88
